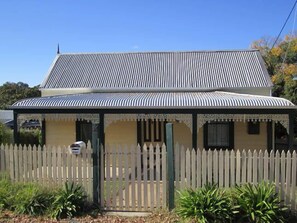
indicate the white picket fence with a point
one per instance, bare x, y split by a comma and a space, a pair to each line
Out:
194, 168
48, 166
134, 178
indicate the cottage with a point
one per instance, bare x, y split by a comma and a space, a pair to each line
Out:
215, 99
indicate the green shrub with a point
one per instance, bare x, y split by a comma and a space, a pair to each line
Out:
30, 136
5, 192
206, 204
6, 136
259, 203
69, 201
32, 199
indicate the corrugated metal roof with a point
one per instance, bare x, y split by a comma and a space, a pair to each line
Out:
159, 70
182, 100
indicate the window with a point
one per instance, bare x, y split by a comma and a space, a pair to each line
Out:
150, 131
253, 128
219, 135
84, 131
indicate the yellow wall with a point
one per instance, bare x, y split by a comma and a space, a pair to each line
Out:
60, 132
121, 132
182, 134
242, 140
200, 142
125, 133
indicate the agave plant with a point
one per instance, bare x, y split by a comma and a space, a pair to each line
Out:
69, 201
206, 204
259, 203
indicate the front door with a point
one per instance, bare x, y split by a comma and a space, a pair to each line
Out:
151, 132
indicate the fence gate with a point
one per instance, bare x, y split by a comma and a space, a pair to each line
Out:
133, 178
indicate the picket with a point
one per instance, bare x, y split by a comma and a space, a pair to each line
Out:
203, 167
238, 169
260, 166
293, 187
232, 168
188, 168
277, 170
244, 165
288, 179
271, 166
158, 179
102, 171
17, 167
283, 175
133, 191
221, 168
194, 168
164, 176
139, 178
265, 166
255, 167
2, 158
151, 175
145, 182
182, 166
215, 167
227, 174
34, 156
209, 166
199, 168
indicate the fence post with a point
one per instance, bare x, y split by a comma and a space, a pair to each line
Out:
170, 167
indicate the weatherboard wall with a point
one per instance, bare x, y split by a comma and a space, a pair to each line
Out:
243, 140
60, 132
125, 133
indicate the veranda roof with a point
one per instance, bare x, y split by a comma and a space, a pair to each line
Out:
155, 100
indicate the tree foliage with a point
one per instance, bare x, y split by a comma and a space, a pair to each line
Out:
12, 92
281, 63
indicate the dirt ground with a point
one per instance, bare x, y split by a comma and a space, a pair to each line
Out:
160, 217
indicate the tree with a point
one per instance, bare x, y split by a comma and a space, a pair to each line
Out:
281, 63
12, 92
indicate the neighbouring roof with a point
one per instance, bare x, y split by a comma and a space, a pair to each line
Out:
158, 71
146, 100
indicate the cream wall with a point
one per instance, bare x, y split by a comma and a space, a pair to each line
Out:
242, 140
200, 139
182, 134
125, 132
60, 132
121, 132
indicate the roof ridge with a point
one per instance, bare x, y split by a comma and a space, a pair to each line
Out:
152, 52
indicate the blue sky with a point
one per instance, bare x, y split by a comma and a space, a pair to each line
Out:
30, 30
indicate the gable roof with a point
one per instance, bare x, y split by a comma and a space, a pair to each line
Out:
157, 71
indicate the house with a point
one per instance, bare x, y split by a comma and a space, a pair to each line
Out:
6, 115
215, 99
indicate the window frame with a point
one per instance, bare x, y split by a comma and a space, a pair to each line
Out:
79, 130
253, 128
230, 131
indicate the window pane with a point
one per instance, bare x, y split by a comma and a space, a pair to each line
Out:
212, 135
86, 132
218, 134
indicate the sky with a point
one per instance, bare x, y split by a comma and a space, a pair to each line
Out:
31, 30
